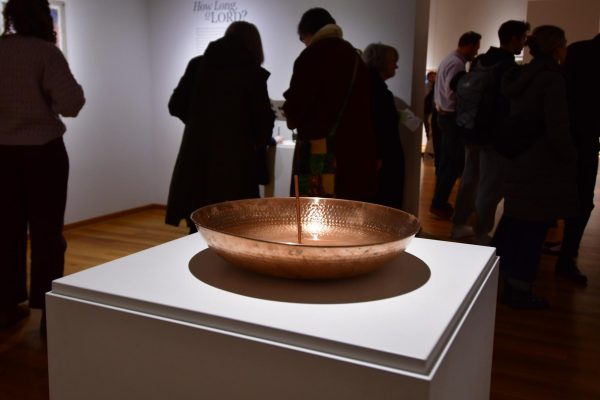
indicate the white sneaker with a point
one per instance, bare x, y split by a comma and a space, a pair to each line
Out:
461, 232
482, 240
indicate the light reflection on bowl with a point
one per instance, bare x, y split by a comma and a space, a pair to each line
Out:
340, 238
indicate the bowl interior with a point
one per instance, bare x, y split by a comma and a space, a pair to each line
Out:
324, 222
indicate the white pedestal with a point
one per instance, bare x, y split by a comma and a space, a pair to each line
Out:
173, 322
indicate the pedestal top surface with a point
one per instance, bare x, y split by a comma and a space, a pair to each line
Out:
400, 317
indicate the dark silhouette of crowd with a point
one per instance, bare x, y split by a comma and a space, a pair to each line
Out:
528, 135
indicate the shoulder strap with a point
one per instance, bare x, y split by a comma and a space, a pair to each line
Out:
345, 103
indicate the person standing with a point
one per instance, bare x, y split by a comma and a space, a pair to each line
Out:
328, 102
539, 185
583, 85
432, 130
223, 101
480, 187
452, 151
36, 86
382, 61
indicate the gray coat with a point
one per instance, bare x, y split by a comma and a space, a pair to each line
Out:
540, 183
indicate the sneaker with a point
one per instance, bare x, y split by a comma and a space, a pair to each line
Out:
444, 212
568, 270
482, 240
461, 232
522, 300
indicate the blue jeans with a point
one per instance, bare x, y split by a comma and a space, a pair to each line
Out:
452, 159
480, 188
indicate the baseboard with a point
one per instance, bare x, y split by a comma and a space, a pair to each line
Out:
106, 217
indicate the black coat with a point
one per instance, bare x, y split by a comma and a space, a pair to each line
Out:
319, 85
389, 148
540, 182
583, 91
223, 101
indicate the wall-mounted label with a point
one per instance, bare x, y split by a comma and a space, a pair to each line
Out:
220, 12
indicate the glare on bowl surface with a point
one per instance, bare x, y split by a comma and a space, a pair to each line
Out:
340, 238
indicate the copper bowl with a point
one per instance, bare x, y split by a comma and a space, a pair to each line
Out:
340, 238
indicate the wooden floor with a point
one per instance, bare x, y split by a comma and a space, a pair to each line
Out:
553, 354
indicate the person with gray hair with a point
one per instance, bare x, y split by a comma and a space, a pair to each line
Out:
382, 61
539, 185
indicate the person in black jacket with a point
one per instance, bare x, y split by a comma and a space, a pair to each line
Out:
480, 188
223, 101
583, 86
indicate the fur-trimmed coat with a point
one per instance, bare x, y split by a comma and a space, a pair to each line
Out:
319, 84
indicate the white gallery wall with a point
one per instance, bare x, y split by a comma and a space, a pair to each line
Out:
129, 55
180, 28
450, 18
110, 143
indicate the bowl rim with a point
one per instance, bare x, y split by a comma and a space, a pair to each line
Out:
412, 218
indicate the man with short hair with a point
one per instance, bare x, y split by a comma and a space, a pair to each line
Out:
480, 187
451, 149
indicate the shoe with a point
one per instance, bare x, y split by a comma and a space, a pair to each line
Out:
461, 232
482, 240
551, 248
523, 300
444, 212
9, 316
568, 270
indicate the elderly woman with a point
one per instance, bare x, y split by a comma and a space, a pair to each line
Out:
540, 182
382, 61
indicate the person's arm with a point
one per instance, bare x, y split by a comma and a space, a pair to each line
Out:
299, 96
261, 110
556, 117
179, 103
64, 94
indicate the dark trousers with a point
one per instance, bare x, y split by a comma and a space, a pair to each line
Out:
34, 192
519, 245
436, 139
452, 158
587, 170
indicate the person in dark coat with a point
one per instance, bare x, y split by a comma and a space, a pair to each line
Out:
540, 182
328, 103
223, 101
583, 87
382, 61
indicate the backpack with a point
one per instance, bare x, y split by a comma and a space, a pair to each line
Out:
476, 94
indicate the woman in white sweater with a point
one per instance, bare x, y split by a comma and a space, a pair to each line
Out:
36, 86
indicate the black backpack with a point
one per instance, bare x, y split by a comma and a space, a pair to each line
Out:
476, 94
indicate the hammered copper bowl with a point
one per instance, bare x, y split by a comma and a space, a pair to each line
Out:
340, 238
